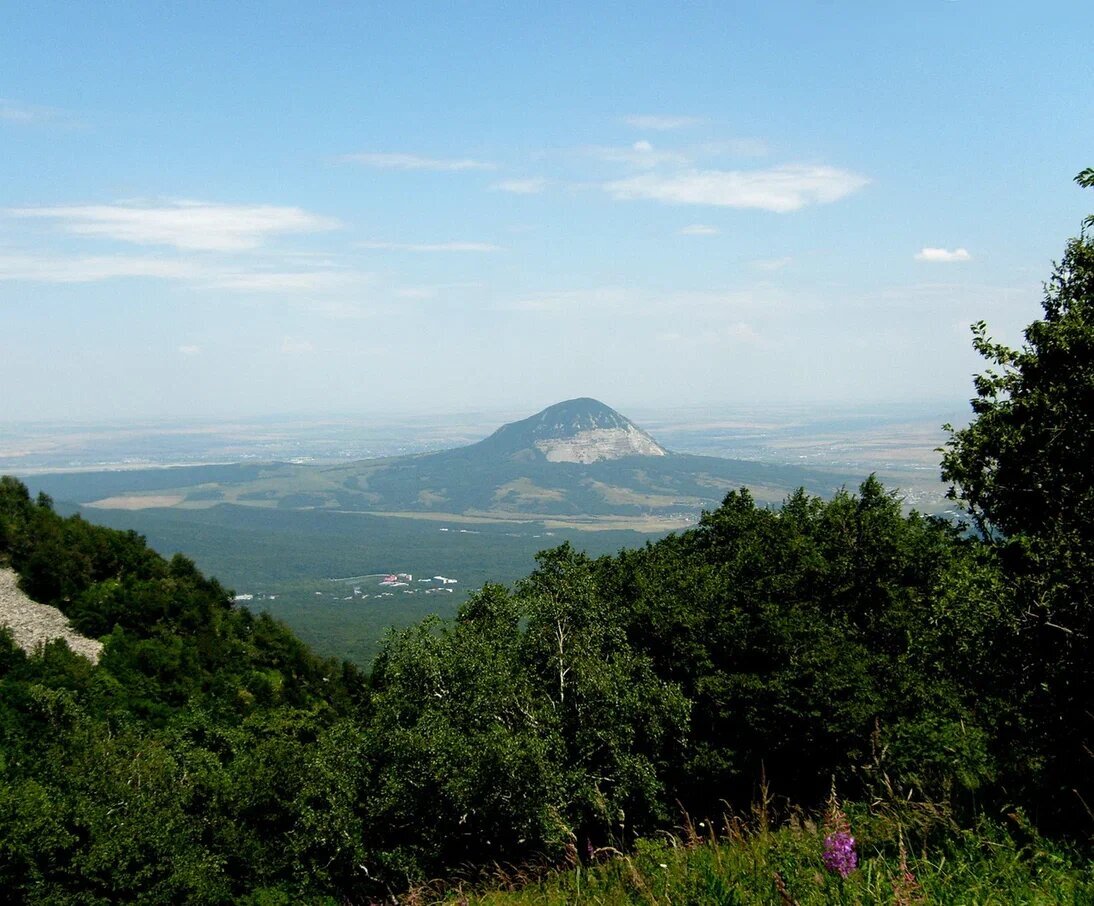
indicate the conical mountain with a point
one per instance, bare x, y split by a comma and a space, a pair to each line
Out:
581, 430
579, 460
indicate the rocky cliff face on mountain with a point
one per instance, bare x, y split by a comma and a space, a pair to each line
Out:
581, 430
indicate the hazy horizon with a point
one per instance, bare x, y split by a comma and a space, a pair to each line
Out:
507, 411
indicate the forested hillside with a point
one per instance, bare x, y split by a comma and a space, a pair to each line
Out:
209, 757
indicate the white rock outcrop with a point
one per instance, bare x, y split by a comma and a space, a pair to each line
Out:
33, 624
596, 444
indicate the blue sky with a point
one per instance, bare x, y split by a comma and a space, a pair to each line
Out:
236, 209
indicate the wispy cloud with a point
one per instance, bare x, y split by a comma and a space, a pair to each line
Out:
190, 351
431, 246
395, 161
52, 268
29, 114
285, 281
945, 255
191, 225
90, 269
531, 186
779, 189
661, 123
699, 229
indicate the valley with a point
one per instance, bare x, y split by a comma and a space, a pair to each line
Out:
284, 534
284, 557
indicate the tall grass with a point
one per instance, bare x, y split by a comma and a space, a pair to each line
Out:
906, 856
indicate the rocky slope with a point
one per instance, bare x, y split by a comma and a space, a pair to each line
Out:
33, 624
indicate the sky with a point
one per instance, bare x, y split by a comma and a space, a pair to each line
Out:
237, 209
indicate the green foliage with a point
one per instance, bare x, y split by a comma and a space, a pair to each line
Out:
798, 631
1022, 470
825, 638
831, 637
538, 688
129, 780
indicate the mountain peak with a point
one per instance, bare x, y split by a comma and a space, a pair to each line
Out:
579, 430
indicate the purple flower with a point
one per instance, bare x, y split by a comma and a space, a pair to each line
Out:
839, 853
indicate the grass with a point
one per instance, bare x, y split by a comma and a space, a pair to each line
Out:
738, 863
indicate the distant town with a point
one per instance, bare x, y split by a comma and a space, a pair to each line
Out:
383, 585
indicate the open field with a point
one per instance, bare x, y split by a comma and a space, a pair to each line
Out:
137, 502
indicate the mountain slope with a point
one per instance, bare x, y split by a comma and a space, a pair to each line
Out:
580, 430
578, 460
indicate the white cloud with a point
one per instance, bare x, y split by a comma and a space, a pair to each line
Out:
772, 264
642, 155
661, 123
191, 225
531, 186
431, 246
778, 189
699, 229
293, 346
190, 351
416, 162
90, 269
28, 114
932, 254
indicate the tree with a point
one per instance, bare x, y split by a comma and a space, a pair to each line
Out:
1022, 470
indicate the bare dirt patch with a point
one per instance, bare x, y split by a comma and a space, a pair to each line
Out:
138, 502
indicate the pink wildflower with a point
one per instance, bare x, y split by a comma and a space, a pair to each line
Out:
839, 853
839, 846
